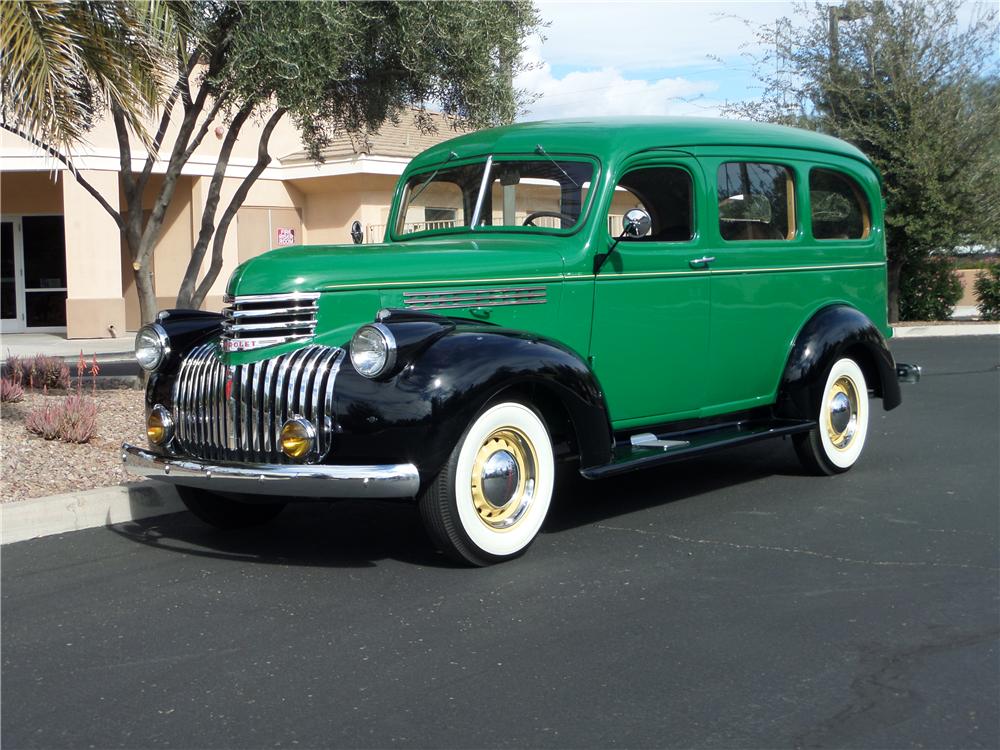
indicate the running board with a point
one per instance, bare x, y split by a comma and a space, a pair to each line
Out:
648, 449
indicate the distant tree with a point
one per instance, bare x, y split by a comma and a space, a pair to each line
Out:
332, 67
918, 93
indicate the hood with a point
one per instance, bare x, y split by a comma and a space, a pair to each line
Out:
327, 268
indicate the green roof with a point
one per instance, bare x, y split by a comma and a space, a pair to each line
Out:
613, 137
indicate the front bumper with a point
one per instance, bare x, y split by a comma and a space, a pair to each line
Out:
313, 481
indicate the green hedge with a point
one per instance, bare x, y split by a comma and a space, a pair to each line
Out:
987, 290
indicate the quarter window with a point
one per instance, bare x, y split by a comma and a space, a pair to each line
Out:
756, 201
839, 208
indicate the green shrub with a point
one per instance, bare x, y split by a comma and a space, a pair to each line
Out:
987, 288
930, 290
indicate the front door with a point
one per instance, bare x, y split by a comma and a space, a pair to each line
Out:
649, 345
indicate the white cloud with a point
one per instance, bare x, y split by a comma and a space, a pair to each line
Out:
651, 35
608, 91
637, 58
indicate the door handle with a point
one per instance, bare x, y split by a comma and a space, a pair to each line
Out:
702, 261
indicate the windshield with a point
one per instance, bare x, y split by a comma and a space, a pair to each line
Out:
540, 194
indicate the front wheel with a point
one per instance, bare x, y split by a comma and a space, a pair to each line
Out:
835, 443
225, 513
489, 501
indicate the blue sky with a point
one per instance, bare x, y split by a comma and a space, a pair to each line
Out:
676, 57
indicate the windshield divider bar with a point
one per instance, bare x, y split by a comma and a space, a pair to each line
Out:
482, 192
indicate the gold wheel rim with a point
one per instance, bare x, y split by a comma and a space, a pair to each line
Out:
840, 413
507, 446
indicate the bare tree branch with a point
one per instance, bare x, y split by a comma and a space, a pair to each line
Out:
218, 244
124, 152
184, 295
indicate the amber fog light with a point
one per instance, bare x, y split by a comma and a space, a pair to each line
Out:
298, 437
159, 426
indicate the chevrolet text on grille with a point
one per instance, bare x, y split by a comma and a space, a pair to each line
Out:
258, 320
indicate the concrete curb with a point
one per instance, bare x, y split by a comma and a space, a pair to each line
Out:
44, 516
946, 329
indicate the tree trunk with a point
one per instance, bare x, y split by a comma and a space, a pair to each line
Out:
894, 273
147, 294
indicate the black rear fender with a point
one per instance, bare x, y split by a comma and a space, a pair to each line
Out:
833, 333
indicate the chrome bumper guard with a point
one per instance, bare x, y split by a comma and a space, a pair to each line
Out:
314, 481
908, 373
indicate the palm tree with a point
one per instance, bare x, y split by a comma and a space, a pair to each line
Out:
64, 63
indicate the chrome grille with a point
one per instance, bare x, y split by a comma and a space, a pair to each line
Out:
235, 413
253, 321
496, 297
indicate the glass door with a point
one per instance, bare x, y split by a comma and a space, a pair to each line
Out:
44, 253
11, 280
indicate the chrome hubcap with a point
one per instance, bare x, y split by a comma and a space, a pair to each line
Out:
840, 412
841, 415
500, 478
503, 479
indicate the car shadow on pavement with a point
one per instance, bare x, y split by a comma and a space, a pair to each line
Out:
581, 502
361, 533
348, 533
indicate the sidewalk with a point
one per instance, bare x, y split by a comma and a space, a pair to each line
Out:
57, 345
927, 330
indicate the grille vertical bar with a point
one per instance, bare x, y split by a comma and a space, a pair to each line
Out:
245, 426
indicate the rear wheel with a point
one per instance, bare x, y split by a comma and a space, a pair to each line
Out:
489, 501
223, 512
835, 444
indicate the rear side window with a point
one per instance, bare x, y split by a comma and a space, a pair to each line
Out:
756, 201
839, 208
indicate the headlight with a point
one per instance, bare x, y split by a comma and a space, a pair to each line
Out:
373, 350
152, 346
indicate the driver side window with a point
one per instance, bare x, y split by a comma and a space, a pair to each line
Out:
665, 193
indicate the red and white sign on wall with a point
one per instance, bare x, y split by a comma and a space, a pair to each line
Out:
285, 235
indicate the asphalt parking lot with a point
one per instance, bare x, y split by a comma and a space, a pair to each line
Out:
727, 602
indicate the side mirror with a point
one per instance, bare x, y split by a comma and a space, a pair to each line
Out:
636, 223
356, 233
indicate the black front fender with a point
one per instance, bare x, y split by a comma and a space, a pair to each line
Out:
419, 414
834, 332
186, 329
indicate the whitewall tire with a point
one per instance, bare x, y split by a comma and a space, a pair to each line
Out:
489, 501
835, 444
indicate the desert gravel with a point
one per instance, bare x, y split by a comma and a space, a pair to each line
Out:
33, 467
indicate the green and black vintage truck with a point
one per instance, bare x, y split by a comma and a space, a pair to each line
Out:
613, 294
